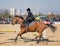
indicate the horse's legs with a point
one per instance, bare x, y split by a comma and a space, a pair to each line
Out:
39, 38
21, 36
16, 37
21, 33
36, 37
40, 35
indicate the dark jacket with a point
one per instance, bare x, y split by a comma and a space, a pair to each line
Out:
30, 17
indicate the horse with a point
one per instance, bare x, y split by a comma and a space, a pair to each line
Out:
36, 27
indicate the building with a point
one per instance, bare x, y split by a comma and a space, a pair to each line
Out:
18, 12
13, 11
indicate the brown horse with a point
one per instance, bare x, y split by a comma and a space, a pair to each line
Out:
36, 27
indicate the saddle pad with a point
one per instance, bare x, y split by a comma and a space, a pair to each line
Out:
31, 23
46, 22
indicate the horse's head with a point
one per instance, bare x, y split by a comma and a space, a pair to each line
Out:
14, 20
18, 19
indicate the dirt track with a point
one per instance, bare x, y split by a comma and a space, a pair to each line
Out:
7, 39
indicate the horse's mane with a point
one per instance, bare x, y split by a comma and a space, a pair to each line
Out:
19, 17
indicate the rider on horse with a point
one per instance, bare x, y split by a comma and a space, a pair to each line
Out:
30, 17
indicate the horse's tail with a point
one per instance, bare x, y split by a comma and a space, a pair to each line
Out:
53, 28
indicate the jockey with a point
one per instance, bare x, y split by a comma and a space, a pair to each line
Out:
30, 16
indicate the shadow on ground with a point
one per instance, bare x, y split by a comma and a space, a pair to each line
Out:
2, 33
34, 40
29, 40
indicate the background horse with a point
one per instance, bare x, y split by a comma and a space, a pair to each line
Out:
36, 27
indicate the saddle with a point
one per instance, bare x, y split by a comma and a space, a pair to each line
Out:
29, 23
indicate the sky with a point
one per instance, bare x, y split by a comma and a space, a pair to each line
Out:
43, 6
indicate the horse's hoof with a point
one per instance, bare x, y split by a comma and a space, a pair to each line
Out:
35, 37
37, 42
15, 40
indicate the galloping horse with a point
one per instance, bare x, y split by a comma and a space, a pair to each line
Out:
36, 27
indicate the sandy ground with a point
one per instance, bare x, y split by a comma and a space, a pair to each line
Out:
7, 39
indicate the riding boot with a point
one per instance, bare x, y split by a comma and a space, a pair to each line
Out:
27, 25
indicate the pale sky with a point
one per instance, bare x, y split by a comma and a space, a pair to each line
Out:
43, 6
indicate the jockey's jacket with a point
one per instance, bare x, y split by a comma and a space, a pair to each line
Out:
30, 17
